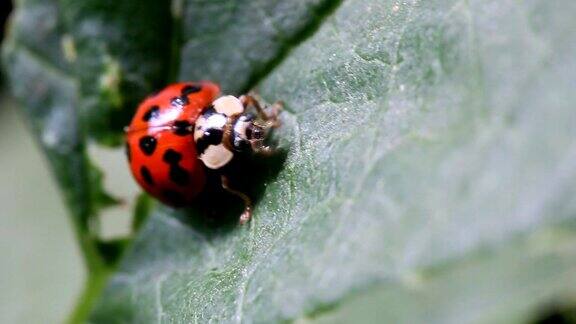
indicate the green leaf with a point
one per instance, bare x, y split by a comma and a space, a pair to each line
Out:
429, 156
237, 42
42, 80
120, 52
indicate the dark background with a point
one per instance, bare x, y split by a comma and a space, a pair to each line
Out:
5, 9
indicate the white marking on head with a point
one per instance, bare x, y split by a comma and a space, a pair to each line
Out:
228, 105
216, 156
240, 127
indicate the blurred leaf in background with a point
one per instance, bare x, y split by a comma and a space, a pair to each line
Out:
33, 232
430, 172
40, 265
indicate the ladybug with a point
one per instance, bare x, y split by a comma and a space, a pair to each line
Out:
188, 129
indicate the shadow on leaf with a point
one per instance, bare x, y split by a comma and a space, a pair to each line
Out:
217, 211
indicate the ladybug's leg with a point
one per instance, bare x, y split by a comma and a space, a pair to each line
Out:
275, 110
247, 213
250, 100
269, 115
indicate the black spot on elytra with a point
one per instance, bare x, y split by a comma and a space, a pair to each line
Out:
128, 153
212, 136
177, 174
174, 197
190, 88
148, 145
182, 128
152, 113
172, 157
146, 175
179, 101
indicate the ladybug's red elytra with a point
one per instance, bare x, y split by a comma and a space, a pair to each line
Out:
189, 127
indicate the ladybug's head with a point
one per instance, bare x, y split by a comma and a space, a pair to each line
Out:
248, 133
